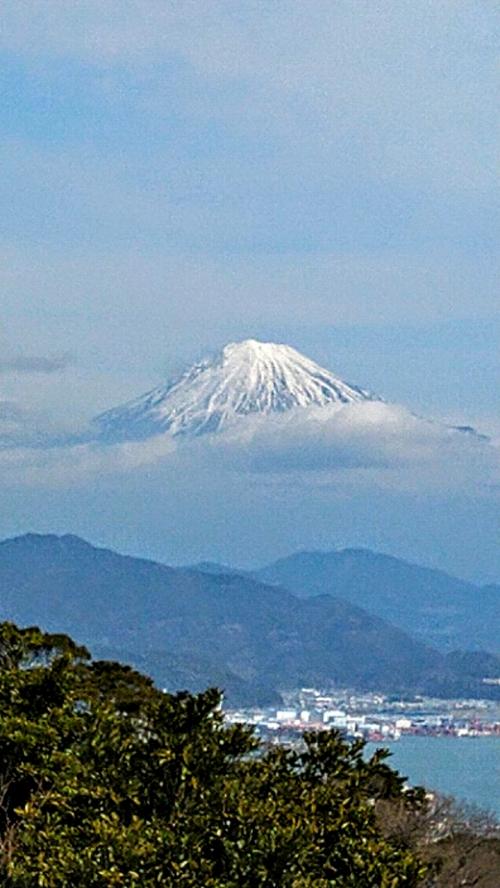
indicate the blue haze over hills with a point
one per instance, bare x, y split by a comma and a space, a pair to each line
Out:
430, 604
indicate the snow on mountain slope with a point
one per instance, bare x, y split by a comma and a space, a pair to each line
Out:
245, 378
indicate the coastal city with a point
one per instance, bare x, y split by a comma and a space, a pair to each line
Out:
369, 716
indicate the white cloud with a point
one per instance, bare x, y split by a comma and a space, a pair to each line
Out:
369, 445
22, 427
78, 464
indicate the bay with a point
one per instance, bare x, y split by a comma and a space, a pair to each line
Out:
466, 767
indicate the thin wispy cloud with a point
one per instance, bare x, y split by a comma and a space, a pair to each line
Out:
36, 364
65, 466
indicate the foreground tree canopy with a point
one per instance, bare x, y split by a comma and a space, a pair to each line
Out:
106, 781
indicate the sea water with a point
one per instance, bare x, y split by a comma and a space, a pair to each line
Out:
465, 767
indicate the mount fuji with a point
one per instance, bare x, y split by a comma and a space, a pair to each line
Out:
245, 378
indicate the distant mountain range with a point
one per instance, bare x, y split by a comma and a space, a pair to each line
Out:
193, 627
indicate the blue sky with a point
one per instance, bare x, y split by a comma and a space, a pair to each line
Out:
177, 175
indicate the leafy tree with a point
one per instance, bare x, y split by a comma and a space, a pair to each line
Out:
105, 781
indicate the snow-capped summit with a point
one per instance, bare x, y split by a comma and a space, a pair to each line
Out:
245, 378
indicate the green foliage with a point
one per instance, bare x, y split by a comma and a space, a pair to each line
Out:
105, 781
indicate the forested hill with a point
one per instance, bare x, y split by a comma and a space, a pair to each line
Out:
191, 629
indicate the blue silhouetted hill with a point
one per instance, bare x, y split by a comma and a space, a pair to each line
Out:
441, 610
